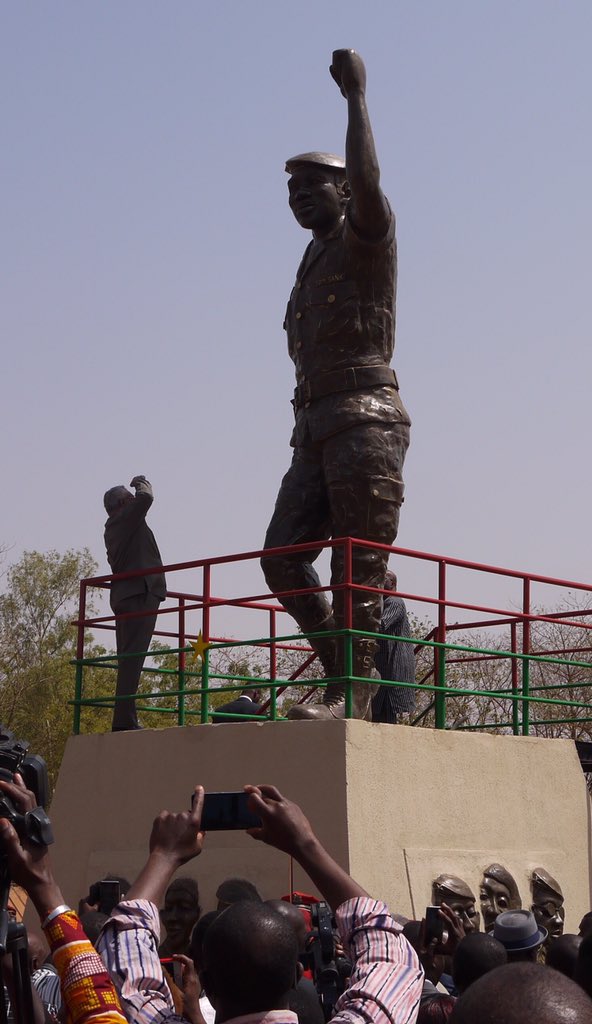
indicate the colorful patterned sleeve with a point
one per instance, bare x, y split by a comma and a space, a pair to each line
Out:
87, 990
387, 979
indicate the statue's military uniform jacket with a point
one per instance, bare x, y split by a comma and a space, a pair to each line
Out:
340, 323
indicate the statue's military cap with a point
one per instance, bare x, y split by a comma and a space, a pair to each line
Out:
543, 880
327, 161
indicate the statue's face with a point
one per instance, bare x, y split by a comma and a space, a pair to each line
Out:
465, 910
314, 199
495, 898
549, 912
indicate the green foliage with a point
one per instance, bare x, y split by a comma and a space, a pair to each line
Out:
37, 643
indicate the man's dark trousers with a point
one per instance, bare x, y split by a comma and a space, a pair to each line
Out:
134, 635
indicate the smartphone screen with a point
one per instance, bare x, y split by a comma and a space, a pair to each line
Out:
226, 811
109, 895
435, 925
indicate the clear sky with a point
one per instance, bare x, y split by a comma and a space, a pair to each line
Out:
148, 253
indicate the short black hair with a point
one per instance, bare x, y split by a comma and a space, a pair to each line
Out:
523, 994
475, 955
586, 924
233, 890
249, 958
562, 954
583, 970
294, 917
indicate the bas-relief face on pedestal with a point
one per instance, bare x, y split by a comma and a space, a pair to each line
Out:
547, 903
498, 892
457, 895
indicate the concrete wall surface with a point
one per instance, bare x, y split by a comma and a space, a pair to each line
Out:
395, 805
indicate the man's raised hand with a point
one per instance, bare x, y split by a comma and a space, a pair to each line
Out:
178, 837
283, 823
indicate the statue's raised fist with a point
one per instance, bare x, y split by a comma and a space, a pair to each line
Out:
348, 71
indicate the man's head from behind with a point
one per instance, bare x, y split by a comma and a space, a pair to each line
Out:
476, 955
563, 954
293, 917
115, 498
523, 994
317, 189
249, 961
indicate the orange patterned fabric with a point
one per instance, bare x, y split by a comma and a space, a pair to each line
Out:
87, 989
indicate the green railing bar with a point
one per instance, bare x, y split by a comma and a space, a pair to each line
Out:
205, 679
78, 698
354, 679
440, 702
349, 668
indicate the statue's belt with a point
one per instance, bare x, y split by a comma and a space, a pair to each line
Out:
348, 379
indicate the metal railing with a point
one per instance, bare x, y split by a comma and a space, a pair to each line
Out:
190, 615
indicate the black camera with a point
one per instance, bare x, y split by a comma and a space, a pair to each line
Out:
34, 825
329, 972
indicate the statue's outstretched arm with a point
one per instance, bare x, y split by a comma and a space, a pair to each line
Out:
369, 213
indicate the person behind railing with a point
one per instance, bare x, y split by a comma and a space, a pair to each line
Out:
250, 953
248, 703
394, 660
131, 545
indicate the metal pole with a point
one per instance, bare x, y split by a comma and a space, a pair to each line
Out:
272, 666
205, 677
440, 662
348, 667
514, 670
526, 661
79, 657
181, 664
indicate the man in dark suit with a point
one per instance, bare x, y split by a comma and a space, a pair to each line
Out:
246, 704
131, 545
394, 659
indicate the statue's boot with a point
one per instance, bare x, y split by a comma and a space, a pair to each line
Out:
333, 702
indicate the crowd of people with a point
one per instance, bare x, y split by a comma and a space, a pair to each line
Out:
249, 961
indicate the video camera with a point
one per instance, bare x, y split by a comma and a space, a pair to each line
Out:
34, 825
329, 972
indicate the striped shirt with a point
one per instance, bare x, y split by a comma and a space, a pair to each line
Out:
386, 981
46, 982
394, 661
87, 991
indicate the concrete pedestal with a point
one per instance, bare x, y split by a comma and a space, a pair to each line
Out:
397, 806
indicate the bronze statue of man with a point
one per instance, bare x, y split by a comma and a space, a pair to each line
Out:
498, 892
352, 430
459, 897
547, 903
